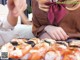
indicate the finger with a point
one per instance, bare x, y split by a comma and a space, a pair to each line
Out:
60, 35
23, 6
64, 33
52, 36
10, 4
18, 4
57, 35
15, 13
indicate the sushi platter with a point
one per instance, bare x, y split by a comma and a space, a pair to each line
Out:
45, 49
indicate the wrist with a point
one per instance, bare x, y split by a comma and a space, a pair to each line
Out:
46, 27
49, 27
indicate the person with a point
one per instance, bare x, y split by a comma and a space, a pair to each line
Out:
7, 25
67, 27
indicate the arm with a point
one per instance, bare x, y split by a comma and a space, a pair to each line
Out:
12, 14
11, 20
24, 18
16, 7
37, 28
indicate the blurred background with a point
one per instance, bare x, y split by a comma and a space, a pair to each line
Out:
3, 2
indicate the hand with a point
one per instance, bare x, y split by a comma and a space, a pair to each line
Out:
12, 8
56, 33
20, 5
16, 5
42, 5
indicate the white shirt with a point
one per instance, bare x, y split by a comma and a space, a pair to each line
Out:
6, 31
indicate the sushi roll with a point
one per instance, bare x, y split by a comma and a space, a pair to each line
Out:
72, 54
52, 55
16, 48
75, 43
39, 50
35, 40
61, 46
